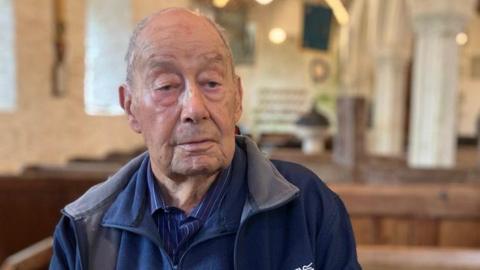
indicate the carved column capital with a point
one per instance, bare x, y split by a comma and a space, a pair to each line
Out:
440, 16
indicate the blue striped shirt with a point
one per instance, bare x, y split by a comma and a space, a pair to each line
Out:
176, 229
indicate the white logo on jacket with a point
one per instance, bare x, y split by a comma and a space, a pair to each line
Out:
306, 267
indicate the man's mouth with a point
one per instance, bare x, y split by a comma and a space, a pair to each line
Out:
196, 145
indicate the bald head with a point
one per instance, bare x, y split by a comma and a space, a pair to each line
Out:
170, 19
182, 95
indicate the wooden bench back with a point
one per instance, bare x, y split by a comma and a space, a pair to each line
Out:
34, 257
443, 215
30, 208
376, 257
417, 258
414, 214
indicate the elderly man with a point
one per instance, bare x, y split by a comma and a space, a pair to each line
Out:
200, 198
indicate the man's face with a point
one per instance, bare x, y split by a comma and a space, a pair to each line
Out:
185, 99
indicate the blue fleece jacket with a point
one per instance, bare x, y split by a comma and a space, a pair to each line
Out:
279, 215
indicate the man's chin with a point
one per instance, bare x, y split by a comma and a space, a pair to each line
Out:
190, 169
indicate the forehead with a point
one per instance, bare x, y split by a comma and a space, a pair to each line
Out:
164, 60
181, 35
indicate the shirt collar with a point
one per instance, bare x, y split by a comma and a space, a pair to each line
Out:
156, 201
267, 189
214, 194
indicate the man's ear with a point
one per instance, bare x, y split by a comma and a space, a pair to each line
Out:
125, 98
238, 98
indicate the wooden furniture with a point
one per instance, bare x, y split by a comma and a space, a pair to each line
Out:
34, 257
349, 143
398, 226
30, 207
417, 258
383, 170
371, 257
478, 118
391, 171
414, 214
72, 170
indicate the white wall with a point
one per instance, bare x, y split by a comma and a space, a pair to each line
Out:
285, 65
469, 106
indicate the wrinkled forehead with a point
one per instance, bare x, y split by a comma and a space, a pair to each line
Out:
182, 34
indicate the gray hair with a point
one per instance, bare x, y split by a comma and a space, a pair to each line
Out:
131, 56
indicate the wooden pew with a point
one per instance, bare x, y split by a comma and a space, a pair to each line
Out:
30, 203
34, 257
72, 170
398, 227
371, 257
383, 170
414, 214
417, 258
30, 207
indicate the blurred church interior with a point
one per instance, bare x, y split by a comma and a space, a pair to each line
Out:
380, 98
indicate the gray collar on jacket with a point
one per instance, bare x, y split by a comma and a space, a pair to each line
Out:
267, 187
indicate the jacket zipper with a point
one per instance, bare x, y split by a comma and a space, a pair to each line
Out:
139, 232
235, 249
178, 267
242, 225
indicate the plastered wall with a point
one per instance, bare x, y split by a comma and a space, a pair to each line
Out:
50, 130
469, 86
286, 65
46, 129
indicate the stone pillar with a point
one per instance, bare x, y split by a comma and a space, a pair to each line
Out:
391, 42
433, 131
389, 111
349, 143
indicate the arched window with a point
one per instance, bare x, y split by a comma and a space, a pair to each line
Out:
8, 84
108, 27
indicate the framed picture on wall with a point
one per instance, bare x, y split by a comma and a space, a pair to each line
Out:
240, 32
239, 29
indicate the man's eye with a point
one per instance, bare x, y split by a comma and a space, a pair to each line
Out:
166, 87
213, 84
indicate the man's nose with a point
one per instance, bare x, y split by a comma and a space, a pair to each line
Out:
194, 108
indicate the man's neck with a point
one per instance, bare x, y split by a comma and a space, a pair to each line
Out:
184, 194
